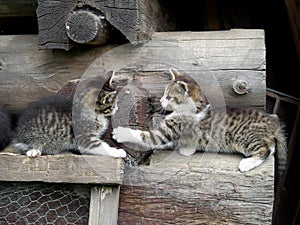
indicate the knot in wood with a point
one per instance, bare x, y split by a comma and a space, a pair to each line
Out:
241, 87
85, 27
80, 4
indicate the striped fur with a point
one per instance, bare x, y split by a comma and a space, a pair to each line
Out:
55, 124
45, 127
194, 126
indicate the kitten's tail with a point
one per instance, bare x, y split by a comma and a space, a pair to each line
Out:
281, 152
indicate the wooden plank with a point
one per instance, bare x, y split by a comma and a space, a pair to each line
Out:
153, 16
17, 8
66, 168
104, 205
227, 56
202, 189
27, 74
215, 59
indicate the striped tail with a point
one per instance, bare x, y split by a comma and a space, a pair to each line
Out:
281, 151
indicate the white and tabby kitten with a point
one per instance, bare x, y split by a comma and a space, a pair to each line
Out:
192, 126
47, 126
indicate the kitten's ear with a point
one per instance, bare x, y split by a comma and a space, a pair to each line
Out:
109, 97
111, 74
183, 85
174, 73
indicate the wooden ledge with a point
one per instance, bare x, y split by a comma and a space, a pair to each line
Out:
64, 168
202, 189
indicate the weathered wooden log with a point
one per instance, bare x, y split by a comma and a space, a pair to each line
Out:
85, 27
27, 74
202, 189
219, 59
136, 20
227, 56
64, 168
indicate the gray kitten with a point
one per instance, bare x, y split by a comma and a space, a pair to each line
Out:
193, 126
48, 126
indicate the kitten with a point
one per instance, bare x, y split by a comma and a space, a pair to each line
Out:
5, 128
48, 126
192, 126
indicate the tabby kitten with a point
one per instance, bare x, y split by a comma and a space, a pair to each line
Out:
192, 126
5, 128
47, 126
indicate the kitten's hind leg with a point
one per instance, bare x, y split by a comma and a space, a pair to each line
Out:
27, 149
33, 153
256, 159
250, 163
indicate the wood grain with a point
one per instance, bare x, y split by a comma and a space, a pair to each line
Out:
216, 60
26, 74
64, 168
135, 20
104, 205
202, 189
85, 27
221, 57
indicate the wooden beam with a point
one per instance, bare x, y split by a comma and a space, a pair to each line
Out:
202, 189
64, 168
86, 27
228, 56
104, 205
136, 20
18, 8
218, 59
27, 74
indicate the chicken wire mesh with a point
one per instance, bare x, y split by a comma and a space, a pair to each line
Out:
39, 203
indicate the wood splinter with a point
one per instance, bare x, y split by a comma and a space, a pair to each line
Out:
85, 27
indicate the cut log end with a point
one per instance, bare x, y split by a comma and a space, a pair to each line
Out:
85, 27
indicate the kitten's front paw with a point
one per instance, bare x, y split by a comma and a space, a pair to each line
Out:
33, 153
125, 134
118, 153
119, 134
